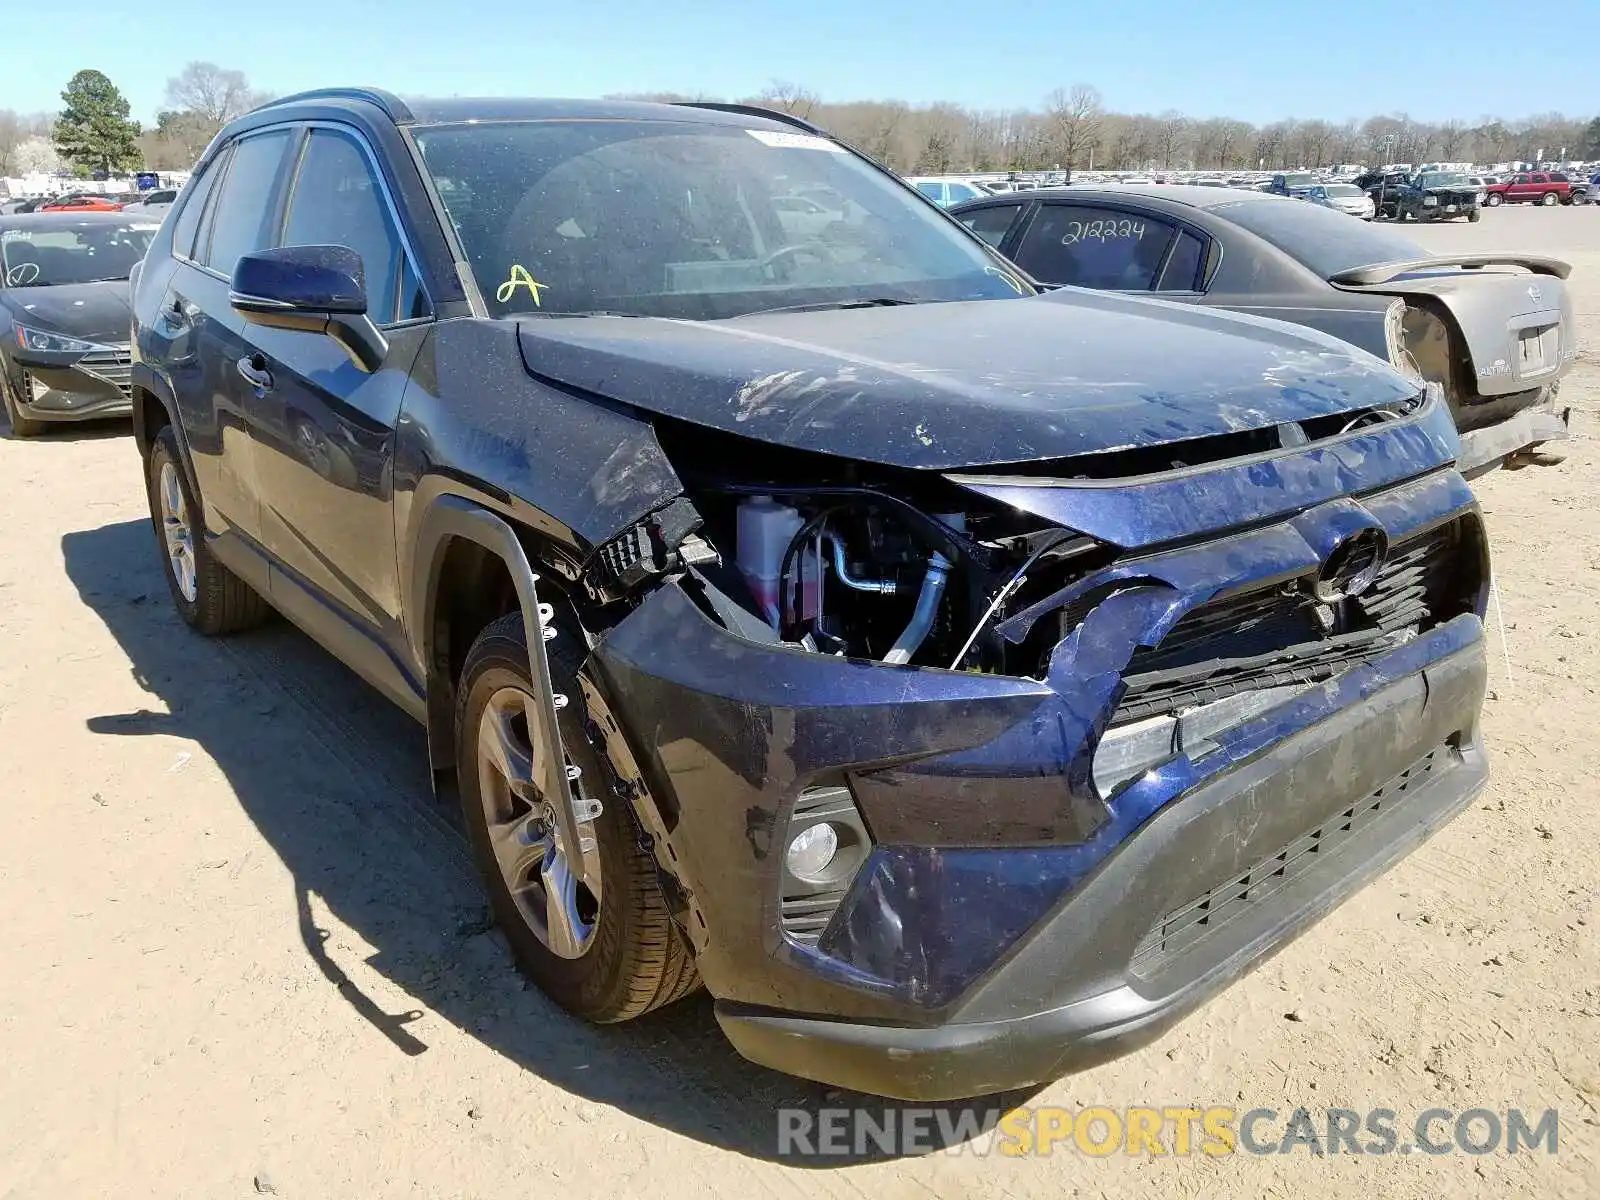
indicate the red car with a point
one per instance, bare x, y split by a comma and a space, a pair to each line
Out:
1531, 187
82, 202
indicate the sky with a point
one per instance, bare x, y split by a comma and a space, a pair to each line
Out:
1259, 60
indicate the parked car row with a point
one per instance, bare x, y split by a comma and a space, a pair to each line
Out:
800, 600
84, 202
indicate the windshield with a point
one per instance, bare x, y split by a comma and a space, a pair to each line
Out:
1433, 179
52, 255
1346, 190
690, 220
1302, 180
1323, 239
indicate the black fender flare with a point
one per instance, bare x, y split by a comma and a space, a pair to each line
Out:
450, 517
147, 382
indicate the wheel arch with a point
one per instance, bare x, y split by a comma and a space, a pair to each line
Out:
153, 410
470, 566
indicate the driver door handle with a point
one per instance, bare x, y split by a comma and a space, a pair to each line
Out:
253, 367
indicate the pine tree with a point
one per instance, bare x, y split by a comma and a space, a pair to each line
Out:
93, 132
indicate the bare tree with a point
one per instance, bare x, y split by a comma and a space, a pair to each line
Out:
1075, 131
11, 136
1171, 128
215, 94
1077, 118
791, 98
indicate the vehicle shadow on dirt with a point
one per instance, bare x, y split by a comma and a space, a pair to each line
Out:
336, 780
97, 430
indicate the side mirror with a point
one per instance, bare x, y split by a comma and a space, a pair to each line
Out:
316, 289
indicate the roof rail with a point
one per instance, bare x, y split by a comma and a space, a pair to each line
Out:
394, 107
754, 110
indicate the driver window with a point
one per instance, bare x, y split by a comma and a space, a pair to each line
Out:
337, 202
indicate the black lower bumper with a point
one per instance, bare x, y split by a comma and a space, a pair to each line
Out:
1208, 887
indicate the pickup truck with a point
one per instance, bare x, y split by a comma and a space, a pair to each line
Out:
1531, 187
1429, 196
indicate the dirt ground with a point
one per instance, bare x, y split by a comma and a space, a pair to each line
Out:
244, 955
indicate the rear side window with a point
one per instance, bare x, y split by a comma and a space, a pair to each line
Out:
1182, 273
194, 205
337, 201
241, 224
1094, 247
992, 224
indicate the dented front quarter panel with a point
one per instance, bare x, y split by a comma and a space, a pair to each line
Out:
978, 788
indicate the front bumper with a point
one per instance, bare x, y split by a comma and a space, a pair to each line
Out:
73, 387
1000, 929
1214, 883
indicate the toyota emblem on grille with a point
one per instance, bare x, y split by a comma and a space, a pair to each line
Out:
1352, 566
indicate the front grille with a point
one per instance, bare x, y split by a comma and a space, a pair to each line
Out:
114, 366
1184, 928
1272, 637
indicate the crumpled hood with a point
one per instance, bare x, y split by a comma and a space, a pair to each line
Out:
96, 312
939, 386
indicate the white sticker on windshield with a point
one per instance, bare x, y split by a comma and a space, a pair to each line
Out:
143, 225
16, 235
795, 141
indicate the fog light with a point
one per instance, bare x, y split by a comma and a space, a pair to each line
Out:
812, 851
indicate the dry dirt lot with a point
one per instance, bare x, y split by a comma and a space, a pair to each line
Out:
244, 955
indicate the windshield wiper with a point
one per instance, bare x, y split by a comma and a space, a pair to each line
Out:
874, 302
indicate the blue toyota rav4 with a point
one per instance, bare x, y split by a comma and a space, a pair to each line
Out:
959, 681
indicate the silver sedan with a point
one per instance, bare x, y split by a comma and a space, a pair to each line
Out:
1342, 197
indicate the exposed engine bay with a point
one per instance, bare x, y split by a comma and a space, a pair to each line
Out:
913, 568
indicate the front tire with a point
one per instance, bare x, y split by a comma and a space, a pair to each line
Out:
607, 950
210, 598
1474, 216
1494, 200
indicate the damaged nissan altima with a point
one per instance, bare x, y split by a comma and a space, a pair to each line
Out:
961, 683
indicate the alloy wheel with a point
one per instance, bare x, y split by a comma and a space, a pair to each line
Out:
177, 532
533, 863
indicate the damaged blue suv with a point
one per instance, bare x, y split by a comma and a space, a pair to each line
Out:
960, 682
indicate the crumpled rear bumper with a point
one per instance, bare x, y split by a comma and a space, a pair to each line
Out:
1488, 446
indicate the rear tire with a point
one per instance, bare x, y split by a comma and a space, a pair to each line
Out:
210, 598
21, 426
1549, 198
630, 957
